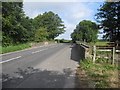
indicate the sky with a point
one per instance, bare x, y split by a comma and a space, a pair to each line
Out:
70, 11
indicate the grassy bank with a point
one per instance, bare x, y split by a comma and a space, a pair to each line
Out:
98, 75
14, 48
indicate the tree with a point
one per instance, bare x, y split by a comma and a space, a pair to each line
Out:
52, 22
19, 28
27, 23
85, 31
12, 29
16, 27
109, 18
41, 34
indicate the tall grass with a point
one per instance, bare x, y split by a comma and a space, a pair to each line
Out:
14, 48
99, 72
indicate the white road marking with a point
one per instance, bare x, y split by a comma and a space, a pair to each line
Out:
39, 51
10, 59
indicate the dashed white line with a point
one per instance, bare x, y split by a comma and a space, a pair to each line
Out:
21, 56
10, 59
38, 51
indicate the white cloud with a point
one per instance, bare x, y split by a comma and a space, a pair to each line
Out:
68, 30
71, 13
80, 12
63, 0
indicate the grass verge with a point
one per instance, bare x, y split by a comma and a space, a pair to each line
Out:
98, 75
14, 48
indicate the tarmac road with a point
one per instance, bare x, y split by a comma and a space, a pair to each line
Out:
51, 66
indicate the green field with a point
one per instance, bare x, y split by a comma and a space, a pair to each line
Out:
98, 43
101, 43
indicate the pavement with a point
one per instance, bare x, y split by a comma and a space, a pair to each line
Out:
51, 66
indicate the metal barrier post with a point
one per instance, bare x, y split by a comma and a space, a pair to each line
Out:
94, 53
113, 56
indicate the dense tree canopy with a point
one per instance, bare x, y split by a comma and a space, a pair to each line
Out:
13, 30
19, 28
41, 34
52, 22
85, 31
109, 18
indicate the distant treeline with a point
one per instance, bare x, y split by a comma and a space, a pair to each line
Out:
63, 41
19, 28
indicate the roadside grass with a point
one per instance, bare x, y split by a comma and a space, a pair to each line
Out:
14, 48
99, 43
105, 52
0, 49
103, 75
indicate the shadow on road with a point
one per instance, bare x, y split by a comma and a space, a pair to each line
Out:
35, 78
77, 53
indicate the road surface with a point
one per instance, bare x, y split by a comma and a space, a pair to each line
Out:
51, 66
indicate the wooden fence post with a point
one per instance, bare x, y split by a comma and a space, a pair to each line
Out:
94, 53
113, 56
